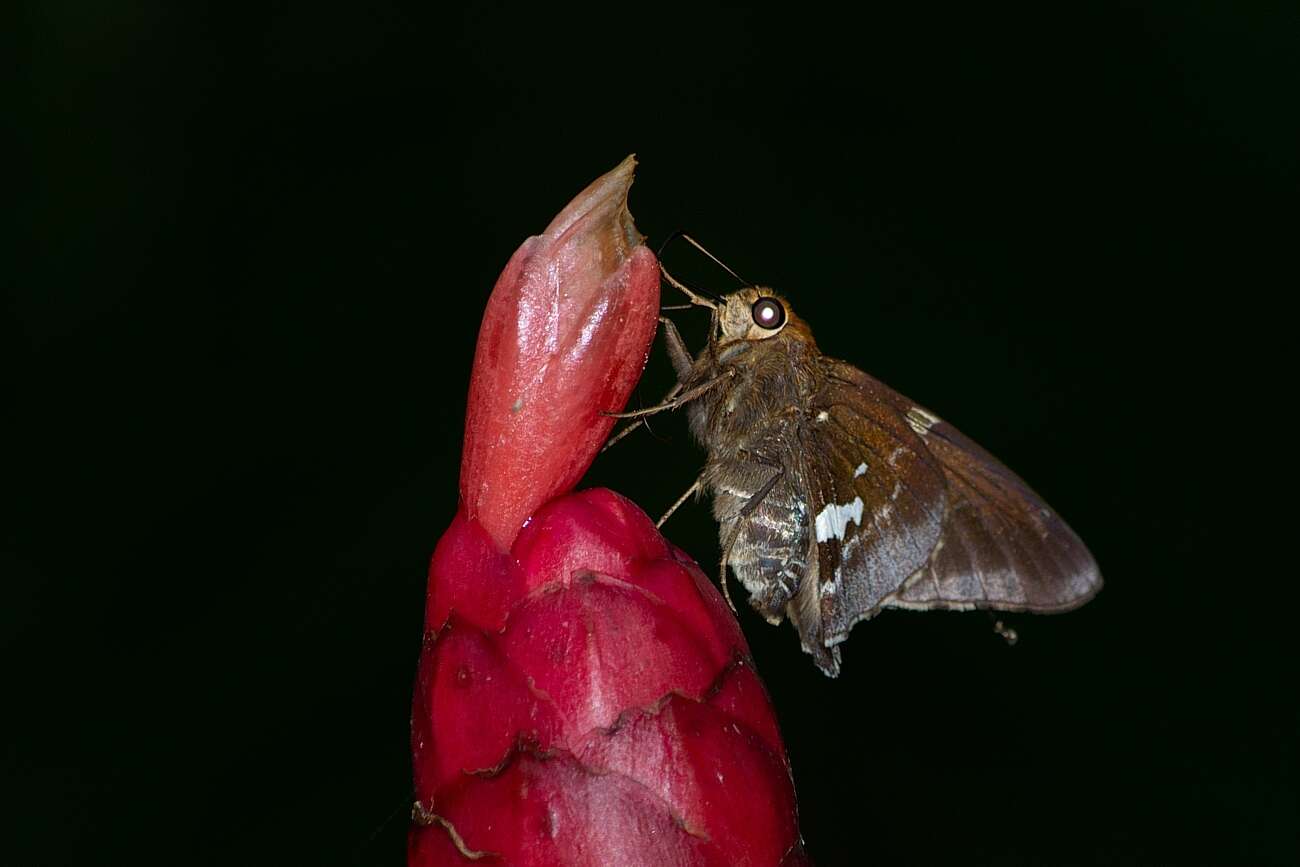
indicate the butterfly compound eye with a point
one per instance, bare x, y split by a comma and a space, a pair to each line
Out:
768, 313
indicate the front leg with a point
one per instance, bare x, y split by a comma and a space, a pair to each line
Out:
640, 421
684, 397
678, 354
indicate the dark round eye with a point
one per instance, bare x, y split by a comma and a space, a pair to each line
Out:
768, 313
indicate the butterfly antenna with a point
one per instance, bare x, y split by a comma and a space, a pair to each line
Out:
659, 254
697, 245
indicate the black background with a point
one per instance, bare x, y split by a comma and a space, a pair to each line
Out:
251, 253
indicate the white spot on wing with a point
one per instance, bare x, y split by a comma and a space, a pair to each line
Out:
823, 415
833, 520
860, 471
920, 420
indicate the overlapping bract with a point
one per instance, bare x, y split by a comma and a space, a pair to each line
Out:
603, 710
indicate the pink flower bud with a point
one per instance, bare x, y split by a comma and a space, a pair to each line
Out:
565, 336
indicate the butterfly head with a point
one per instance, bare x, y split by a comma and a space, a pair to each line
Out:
757, 313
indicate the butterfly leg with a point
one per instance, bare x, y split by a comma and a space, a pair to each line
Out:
636, 424
695, 486
682, 361
678, 353
685, 397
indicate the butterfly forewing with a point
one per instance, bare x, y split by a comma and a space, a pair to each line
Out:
876, 496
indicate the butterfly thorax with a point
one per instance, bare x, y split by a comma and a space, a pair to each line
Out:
765, 384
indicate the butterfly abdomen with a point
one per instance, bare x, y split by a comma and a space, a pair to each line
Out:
763, 530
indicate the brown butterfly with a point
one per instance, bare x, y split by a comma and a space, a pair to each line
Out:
837, 496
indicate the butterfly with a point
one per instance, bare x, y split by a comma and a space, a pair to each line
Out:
837, 497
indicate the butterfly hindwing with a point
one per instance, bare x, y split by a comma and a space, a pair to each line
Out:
1002, 547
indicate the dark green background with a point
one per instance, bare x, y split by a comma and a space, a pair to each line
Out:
250, 254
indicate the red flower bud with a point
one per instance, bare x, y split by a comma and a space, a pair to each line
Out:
565, 335
584, 696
